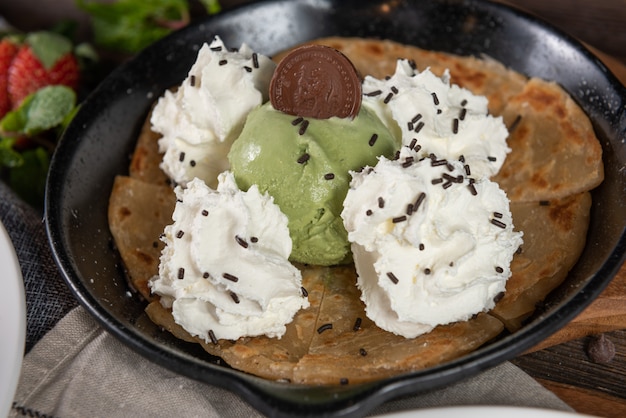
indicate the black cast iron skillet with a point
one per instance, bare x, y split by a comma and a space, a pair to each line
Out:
98, 143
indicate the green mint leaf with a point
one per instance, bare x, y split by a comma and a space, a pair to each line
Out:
47, 108
212, 6
131, 25
29, 178
8, 156
48, 46
15, 120
85, 51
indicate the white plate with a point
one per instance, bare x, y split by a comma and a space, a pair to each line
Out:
12, 322
483, 412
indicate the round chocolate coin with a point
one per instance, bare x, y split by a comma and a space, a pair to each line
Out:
318, 82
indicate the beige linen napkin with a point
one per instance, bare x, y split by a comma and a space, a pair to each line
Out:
79, 370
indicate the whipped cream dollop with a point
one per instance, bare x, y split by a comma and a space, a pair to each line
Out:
433, 116
200, 120
431, 245
224, 270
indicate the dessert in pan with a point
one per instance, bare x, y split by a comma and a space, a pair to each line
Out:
352, 209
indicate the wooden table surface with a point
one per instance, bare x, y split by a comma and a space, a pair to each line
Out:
565, 368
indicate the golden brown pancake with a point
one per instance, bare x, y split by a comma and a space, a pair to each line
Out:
554, 237
555, 152
323, 346
555, 160
138, 212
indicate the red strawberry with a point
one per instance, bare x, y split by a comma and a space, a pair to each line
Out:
44, 59
8, 49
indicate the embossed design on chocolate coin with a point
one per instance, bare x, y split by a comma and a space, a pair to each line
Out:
318, 82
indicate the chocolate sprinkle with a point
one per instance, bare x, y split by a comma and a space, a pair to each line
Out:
216, 48
248, 69
421, 247
181, 273
329, 176
343, 381
362, 352
230, 277
392, 277
458, 179
324, 327
544, 203
254, 240
305, 124
413, 143
234, 297
255, 60
436, 181
464, 102
192, 163
497, 298
381, 202
497, 215
205, 275
373, 139
223, 62
419, 127
499, 269
435, 98
399, 219
181, 157
180, 234
212, 336
374, 93
492, 159
419, 201
241, 241
467, 170
297, 121
205, 212
427, 271
192, 80
462, 114
498, 223
303, 158
394, 89
416, 118
368, 212
304, 291
472, 189
357, 324
455, 126
388, 98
